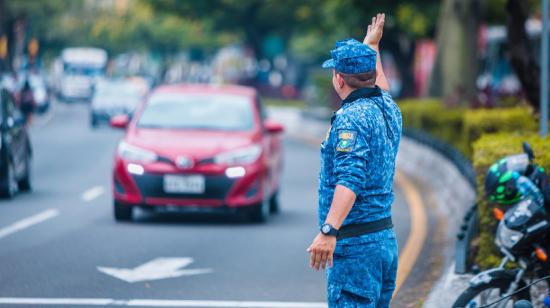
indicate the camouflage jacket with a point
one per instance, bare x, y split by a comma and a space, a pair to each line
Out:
359, 153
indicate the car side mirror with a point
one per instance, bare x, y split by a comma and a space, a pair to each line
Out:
120, 121
273, 127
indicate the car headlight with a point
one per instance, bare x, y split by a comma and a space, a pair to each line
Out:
241, 156
40, 95
507, 237
133, 153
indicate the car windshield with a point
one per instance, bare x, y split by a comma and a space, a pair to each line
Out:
116, 90
198, 111
91, 71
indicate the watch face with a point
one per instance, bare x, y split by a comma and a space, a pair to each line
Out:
325, 228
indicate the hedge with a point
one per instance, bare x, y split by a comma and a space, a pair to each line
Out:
462, 127
431, 116
487, 150
481, 121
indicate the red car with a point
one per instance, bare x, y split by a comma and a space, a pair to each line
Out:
198, 148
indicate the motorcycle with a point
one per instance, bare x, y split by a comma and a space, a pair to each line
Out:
522, 237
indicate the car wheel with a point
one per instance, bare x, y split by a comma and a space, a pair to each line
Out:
123, 212
9, 184
260, 212
25, 183
274, 203
93, 121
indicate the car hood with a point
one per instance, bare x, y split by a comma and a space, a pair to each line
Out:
197, 144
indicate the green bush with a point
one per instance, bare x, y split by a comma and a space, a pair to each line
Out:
431, 116
483, 121
487, 150
461, 127
484, 136
277, 102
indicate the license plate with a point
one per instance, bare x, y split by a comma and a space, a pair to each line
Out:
183, 184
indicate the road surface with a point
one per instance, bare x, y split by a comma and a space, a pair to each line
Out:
61, 243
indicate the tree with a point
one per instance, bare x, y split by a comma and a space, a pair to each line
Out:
33, 18
522, 56
252, 20
455, 70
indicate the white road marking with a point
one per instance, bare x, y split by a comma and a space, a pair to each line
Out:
29, 221
93, 193
159, 268
156, 303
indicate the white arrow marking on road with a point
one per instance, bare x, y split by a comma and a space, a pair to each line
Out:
93, 193
159, 268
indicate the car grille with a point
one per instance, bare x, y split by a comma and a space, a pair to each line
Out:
151, 185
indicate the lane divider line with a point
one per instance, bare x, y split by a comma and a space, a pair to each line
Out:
418, 232
93, 193
156, 303
28, 222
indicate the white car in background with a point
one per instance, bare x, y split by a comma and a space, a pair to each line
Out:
81, 67
40, 92
114, 97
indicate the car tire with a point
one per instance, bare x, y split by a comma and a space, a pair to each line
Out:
274, 203
122, 212
93, 121
25, 183
259, 213
8, 189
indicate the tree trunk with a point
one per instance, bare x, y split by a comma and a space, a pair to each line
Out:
456, 65
522, 57
254, 36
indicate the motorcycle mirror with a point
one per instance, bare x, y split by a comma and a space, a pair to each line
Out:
528, 150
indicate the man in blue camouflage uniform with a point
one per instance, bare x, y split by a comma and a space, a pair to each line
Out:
357, 170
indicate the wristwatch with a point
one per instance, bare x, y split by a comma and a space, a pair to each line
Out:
328, 229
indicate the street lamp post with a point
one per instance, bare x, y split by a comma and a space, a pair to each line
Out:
545, 82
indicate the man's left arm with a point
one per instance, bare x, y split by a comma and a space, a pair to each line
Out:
349, 172
323, 246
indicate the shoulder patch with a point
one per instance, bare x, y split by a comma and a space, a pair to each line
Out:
346, 140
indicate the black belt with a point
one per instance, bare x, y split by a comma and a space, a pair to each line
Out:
364, 228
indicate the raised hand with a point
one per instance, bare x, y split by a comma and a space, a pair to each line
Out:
375, 30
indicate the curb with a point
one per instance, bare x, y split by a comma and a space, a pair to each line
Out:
454, 195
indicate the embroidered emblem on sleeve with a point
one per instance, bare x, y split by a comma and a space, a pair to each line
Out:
346, 140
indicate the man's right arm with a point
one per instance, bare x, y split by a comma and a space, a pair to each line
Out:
373, 37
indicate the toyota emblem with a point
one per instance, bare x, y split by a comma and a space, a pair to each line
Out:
184, 162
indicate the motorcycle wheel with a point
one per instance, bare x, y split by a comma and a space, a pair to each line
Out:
485, 294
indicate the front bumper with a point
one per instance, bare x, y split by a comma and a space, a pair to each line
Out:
105, 115
221, 192
76, 92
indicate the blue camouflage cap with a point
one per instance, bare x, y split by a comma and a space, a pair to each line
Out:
351, 57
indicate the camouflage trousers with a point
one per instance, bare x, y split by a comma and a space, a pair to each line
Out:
363, 275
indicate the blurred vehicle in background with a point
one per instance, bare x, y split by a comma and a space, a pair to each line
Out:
114, 97
198, 148
8, 82
497, 78
15, 149
39, 90
81, 68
